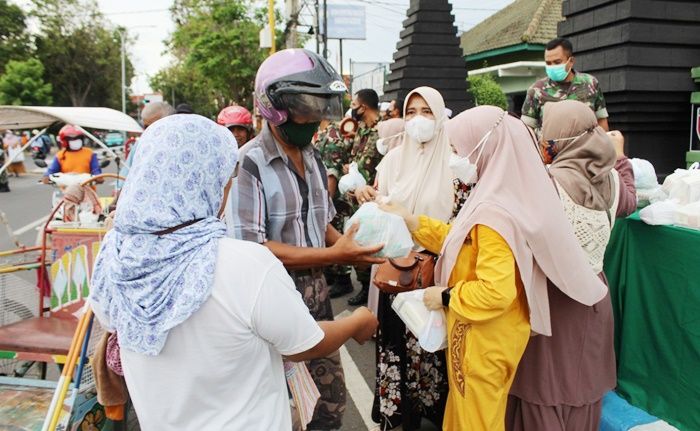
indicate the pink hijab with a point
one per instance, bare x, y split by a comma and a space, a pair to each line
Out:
391, 130
515, 197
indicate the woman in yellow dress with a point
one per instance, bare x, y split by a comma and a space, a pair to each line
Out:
510, 236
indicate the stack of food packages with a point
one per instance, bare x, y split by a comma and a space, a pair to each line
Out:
675, 202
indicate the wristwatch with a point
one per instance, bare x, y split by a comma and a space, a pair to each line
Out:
446, 297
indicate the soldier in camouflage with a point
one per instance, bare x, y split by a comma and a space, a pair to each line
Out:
563, 83
337, 152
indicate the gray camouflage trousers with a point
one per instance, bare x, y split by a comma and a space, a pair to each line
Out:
3, 176
327, 372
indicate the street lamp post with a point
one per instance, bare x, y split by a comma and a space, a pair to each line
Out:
121, 37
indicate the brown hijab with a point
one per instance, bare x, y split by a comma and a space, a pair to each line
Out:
582, 164
515, 197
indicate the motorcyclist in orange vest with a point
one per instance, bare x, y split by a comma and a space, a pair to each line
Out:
73, 158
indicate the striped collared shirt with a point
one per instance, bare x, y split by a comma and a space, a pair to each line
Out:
270, 201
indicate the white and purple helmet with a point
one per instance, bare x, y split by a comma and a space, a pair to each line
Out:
300, 83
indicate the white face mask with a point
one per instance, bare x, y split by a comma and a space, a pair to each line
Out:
75, 144
462, 168
420, 128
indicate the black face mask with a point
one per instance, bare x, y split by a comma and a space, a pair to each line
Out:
299, 135
356, 115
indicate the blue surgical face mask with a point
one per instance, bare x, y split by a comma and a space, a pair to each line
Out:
557, 72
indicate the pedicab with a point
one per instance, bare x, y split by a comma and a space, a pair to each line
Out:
45, 327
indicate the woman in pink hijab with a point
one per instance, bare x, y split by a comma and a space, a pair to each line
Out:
510, 236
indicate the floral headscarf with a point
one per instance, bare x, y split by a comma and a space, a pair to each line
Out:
147, 281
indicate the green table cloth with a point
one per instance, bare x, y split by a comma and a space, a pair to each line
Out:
654, 275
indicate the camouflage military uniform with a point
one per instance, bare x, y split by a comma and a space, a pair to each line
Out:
583, 87
364, 153
337, 152
4, 182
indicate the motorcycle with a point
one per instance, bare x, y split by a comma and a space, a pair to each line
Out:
61, 181
39, 149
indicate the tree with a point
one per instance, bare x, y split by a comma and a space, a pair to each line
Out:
14, 39
486, 91
23, 84
81, 53
217, 53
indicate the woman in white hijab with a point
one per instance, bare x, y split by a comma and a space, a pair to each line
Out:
412, 383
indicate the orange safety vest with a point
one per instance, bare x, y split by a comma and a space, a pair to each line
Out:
75, 162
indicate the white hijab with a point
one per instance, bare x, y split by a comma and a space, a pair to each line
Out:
417, 176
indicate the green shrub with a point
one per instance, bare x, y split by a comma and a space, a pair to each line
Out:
486, 91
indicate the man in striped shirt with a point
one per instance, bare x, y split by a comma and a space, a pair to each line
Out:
280, 197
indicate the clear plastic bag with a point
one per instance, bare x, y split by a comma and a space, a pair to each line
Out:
688, 216
352, 180
683, 185
660, 213
644, 174
380, 227
429, 326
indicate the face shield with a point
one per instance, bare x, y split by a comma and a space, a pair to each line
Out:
310, 108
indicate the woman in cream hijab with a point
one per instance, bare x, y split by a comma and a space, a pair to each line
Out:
412, 383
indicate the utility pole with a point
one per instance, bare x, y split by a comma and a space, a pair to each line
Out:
293, 11
121, 37
341, 57
317, 28
271, 23
325, 29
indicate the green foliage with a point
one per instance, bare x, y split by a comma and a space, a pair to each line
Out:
81, 53
23, 84
217, 53
14, 38
486, 91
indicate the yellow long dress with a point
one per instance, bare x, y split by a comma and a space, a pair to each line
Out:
488, 326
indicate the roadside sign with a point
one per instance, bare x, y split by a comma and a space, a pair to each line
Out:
345, 22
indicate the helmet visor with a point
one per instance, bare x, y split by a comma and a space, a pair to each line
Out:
307, 108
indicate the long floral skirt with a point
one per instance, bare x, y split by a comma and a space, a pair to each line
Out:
411, 383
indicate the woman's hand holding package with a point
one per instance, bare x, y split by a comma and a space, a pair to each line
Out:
348, 252
432, 298
365, 194
394, 208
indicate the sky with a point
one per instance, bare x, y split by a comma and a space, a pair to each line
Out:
150, 23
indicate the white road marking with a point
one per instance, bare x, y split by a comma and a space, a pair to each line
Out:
357, 387
29, 227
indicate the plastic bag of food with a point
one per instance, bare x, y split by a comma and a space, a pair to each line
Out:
646, 197
380, 227
644, 174
688, 216
352, 180
683, 185
429, 326
660, 213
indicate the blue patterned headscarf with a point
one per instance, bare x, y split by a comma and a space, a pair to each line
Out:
146, 284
